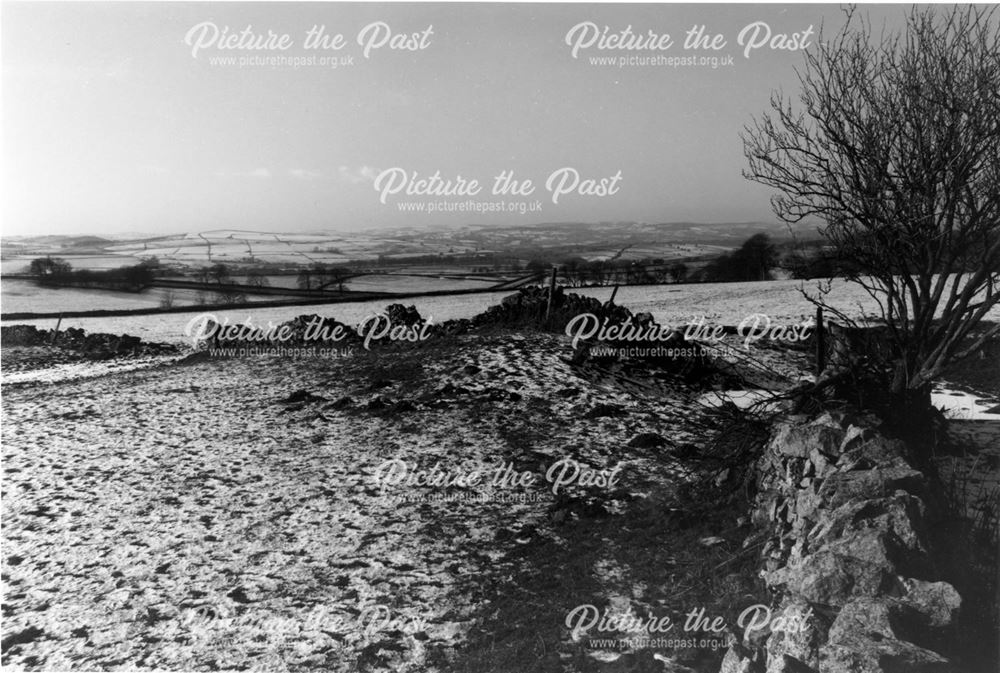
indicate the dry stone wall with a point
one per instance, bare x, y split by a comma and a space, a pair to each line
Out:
847, 556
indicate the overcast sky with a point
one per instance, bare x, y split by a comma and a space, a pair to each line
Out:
115, 119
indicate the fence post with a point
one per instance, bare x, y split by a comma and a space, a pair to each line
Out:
820, 342
552, 292
613, 293
56, 332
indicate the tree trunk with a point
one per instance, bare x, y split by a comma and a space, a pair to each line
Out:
897, 387
910, 414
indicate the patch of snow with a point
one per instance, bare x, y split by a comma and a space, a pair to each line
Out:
961, 405
743, 399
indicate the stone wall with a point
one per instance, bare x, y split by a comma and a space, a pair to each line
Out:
94, 345
846, 555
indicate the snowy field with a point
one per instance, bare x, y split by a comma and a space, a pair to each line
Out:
24, 296
93, 262
196, 518
675, 305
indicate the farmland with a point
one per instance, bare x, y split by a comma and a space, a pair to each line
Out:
676, 305
24, 296
436, 260
439, 247
405, 263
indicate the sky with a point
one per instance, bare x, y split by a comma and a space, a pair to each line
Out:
142, 118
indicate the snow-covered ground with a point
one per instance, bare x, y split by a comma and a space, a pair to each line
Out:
195, 513
24, 296
955, 404
224, 514
966, 406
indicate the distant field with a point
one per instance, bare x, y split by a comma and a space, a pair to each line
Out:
728, 303
230, 246
675, 305
605, 240
402, 283
23, 296
452, 270
20, 264
665, 252
170, 327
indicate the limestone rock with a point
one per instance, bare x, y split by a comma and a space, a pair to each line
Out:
884, 656
821, 465
792, 439
807, 502
937, 603
832, 419
865, 617
875, 483
859, 565
822, 578
868, 451
786, 664
843, 514
876, 548
901, 515
797, 643
855, 436
736, 661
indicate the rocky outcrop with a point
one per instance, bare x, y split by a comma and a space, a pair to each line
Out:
846, 556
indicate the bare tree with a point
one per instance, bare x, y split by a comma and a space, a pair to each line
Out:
305, 278
573, 273
220, 274
228, 296
894, 143
167, 299
256, 278
336, 274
